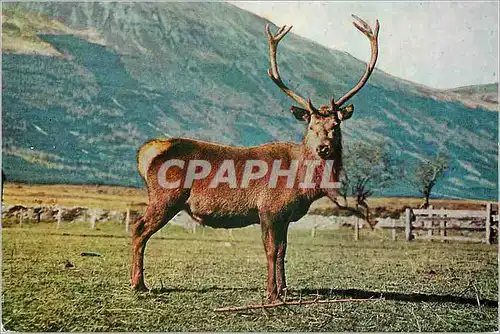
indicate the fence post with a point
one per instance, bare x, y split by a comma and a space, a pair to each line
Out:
442, 227
59, 218
488, 224
21, 218
393, 229
92, 220
408, 224
127, 220
356, 229
430, 223
313, 231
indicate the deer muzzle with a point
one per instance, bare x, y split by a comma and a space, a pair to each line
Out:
323, 151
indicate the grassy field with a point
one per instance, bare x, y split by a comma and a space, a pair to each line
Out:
427, 286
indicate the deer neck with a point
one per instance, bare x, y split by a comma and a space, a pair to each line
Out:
333, 164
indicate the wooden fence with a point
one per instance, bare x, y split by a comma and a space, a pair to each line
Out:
442, 220
435, 222
86, 212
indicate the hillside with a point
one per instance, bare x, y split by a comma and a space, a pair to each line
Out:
481, 95
475, 96
119, 74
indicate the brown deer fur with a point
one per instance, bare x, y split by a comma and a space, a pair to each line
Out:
225, 207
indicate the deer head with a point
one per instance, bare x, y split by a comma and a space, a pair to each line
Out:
323, 130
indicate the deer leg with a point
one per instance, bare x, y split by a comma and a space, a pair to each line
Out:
269, 240
280, 262
154, 219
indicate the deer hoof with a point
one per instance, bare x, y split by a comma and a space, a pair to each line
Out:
273, 298
141, 287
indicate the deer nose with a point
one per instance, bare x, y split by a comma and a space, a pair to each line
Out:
323, 150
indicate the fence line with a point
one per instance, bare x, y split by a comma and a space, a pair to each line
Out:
413, 220
59, 215
427, 217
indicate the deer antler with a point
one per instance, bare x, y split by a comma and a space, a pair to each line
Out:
273, 70
372, 36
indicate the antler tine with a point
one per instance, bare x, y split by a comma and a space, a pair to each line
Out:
365, 25
332, 103
362, 26
273, 70
280, 30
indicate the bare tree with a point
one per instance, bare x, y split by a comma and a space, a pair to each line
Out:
368, 169
426, 173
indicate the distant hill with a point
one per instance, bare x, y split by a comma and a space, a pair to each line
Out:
479, 95
90, 82
476, 96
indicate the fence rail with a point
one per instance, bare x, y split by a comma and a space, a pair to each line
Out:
61, 214
427, 219
413, 221
450, 213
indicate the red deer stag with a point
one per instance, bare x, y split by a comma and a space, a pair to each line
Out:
254, 196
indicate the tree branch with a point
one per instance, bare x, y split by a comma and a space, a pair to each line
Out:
298, 302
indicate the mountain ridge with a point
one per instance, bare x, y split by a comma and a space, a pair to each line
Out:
206, 79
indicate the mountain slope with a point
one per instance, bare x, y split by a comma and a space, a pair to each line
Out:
480, 95
199, 70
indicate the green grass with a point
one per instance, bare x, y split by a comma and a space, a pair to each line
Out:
427, 286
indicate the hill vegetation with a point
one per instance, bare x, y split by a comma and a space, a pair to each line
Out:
95, 80
480, 95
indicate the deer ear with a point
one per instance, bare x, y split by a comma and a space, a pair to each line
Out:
346, 112
300, 114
